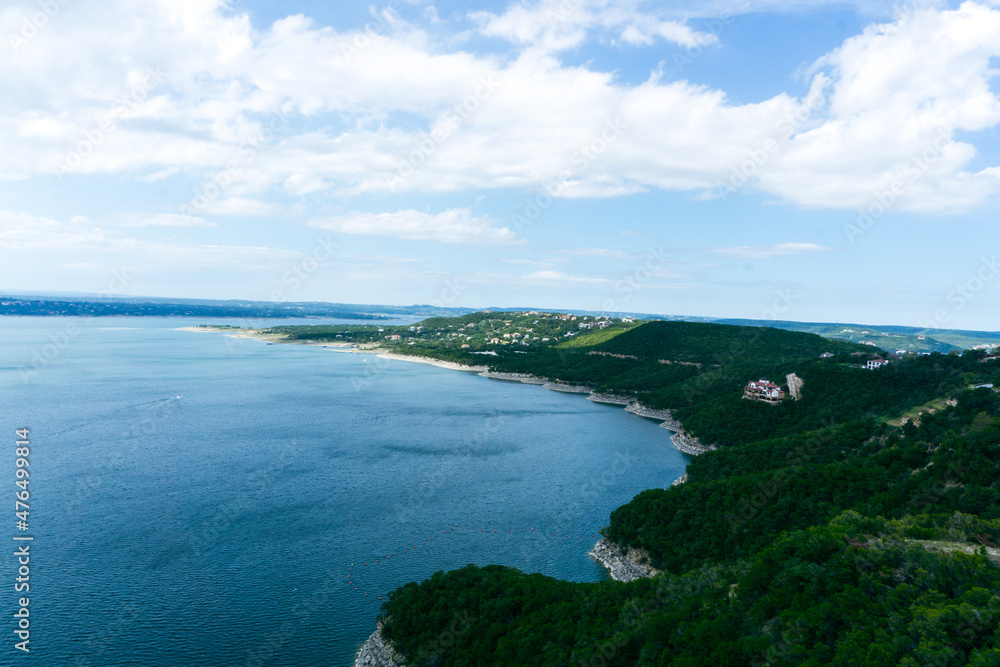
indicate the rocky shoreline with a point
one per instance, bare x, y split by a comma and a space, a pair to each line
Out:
567, 388
622, 565
525, 378
611, 399
684, 442
688, 444
378, 652
641, 410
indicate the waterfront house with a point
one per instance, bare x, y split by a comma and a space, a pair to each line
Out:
764, 390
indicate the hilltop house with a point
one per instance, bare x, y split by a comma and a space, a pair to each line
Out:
875, 363
764, 390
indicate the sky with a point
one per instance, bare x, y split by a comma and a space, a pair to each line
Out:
802, 160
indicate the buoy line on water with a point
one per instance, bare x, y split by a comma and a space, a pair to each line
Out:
365, 565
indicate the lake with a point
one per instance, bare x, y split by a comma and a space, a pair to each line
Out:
198, 499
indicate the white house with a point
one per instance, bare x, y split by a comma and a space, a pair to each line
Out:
764, 390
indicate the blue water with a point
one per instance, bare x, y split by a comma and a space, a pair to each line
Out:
200, 500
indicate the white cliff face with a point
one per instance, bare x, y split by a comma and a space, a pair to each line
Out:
377, 652
621, 565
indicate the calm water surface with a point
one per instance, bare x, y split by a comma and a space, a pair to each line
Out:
200, 500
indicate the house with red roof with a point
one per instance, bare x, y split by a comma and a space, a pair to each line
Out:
764, 390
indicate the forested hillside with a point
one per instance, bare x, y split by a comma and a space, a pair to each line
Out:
860, 545
818, 533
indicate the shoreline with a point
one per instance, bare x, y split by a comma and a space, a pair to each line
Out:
344, 347
378, 652
622, 565
682, 441
450, 365
688, 444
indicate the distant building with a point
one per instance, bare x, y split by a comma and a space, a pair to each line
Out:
764, 390
393, 337
875, 363
826, 355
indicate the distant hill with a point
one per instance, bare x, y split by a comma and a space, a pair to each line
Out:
891, 338
714, 344
888, 338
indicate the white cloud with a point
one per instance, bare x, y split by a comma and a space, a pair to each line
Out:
901, 91
527, 262
310, 110
558, 277
450, 226
240, 206
601, 252
167, 220
557, 25
772, 251
22, 232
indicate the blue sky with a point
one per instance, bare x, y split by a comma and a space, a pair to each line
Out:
808, 160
